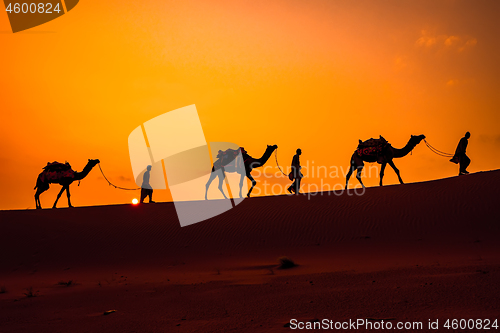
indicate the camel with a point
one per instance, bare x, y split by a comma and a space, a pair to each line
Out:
219, 169
389, 152
42, 182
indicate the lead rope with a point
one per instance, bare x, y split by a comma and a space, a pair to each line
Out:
276, 156
118, 187
436, 151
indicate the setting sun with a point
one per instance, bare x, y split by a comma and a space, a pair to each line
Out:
135, 201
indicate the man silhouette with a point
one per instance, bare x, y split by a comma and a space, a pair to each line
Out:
295, 174
146, 189
460, 156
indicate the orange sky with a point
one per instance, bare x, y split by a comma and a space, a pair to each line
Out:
313, 74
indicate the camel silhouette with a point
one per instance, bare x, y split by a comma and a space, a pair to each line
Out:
388, 153
63, 178
226, 165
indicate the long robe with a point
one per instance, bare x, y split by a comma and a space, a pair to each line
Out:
460, 151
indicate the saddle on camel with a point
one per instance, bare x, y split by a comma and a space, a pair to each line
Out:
56, 171
373, 148
229, 158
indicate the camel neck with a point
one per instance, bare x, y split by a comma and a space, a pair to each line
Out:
405, 150
263, 159
85, 171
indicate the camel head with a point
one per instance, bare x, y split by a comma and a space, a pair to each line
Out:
90, 165
272, 148
417, 138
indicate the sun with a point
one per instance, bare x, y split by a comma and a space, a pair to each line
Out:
135, 201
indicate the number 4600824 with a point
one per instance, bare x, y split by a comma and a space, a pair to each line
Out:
25, 8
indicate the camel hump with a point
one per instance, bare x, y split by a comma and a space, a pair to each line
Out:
55, 172
372, 147
228, 153
228, 157
57, 166
373, 142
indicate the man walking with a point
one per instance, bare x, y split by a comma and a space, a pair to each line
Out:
460, 156
295, 174
146, 189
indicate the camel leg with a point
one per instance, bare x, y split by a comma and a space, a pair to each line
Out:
356, 164
359, 164
58, 196
40, 188
382, 168
351, 170
391, 163
358, 175
242, 178
352, 167
213, 175
37, 199
67, 193
221, 175
253, 183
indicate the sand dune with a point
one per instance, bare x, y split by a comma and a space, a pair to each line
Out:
221, 274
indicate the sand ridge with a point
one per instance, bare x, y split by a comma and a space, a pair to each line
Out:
406, 251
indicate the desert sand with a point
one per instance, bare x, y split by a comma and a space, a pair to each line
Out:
413, 252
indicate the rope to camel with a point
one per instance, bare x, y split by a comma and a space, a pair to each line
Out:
276, 157
436, 151
118, 187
